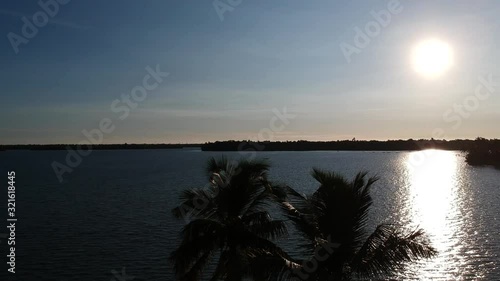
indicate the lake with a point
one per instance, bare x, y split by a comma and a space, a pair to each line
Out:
111, 215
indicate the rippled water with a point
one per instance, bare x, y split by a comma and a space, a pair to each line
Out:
112, 213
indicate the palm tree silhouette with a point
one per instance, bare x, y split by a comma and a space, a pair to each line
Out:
229, 219
336, 214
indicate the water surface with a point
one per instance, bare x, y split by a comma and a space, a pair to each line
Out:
112, 213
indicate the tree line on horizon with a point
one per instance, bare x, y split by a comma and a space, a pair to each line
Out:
477, 145
483, 154
353, 145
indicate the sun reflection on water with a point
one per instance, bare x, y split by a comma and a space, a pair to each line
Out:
433, 203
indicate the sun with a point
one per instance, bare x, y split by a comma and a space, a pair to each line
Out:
432, 58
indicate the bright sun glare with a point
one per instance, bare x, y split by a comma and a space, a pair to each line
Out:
431, 58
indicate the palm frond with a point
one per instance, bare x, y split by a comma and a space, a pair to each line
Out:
255, 199
328, 178
363, 202
221, 269
195, 203
199, 237
265, 266
254, 168
341, 207
389, 249
262, 225
194, 273
216, 165
305, 222
229, 217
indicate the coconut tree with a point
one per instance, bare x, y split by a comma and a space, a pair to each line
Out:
335, 218
228, 221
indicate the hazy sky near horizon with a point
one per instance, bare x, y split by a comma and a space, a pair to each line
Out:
227, 76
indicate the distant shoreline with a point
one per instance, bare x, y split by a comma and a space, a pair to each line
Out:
39, 147
353, 145
245, 146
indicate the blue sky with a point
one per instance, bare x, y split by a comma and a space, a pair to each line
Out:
227, 76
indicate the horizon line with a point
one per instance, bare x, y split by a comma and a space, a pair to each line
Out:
266, 141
